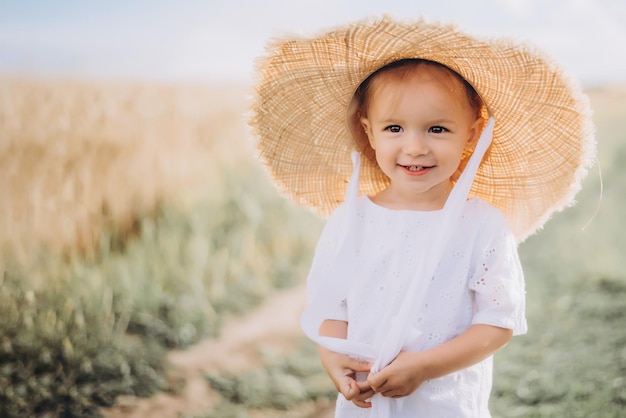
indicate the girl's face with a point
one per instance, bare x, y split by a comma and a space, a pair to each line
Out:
419, 126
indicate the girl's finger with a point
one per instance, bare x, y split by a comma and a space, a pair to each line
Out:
352, 390
392, 393
362, 404
388, 394
364, 385
364, 396
377, 386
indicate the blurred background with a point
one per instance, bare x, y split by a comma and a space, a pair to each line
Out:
210, 40
150, 268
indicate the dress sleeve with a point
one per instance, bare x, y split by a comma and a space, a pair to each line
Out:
320, 284
498, 280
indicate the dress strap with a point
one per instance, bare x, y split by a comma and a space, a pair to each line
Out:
461, 189
351, 196
352, 192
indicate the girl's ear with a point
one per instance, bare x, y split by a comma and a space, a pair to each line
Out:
475, 131
365, 124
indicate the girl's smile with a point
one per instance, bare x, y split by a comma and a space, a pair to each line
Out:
416, 170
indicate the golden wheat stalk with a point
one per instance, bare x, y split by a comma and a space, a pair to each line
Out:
75, 155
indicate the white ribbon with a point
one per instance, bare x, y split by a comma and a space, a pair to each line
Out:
397, 336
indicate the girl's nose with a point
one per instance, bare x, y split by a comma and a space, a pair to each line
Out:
415, 144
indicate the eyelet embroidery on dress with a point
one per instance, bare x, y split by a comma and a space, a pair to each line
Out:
435, 337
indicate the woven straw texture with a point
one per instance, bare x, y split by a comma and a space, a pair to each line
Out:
543, 139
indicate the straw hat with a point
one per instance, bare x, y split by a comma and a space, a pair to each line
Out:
543, 139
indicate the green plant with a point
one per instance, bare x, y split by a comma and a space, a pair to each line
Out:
60, 355
280, 385
77, 332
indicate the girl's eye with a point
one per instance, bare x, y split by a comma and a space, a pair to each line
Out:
437, 129
394, 128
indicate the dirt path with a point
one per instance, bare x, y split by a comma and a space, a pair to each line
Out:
272, 328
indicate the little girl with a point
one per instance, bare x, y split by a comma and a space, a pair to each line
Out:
416, 280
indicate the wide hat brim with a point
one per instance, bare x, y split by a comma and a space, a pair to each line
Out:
543, 139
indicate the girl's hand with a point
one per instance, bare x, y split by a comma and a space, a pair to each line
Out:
362, 400
400, 378
342, 370
410, 369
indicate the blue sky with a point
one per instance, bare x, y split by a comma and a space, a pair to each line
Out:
218, 40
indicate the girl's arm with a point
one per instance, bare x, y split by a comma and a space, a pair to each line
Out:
342, 368
410, 369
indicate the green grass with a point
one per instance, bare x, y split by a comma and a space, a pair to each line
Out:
285, 382
572, 362
97, 327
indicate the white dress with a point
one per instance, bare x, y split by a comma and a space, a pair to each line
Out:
362, 271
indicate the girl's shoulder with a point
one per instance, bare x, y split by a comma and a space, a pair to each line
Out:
483, 215
481, 208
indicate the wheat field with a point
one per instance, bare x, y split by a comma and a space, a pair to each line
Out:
75, 156
133, 219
